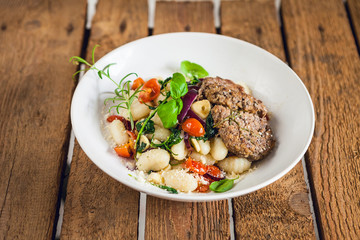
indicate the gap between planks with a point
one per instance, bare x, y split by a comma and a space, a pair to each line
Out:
91, 10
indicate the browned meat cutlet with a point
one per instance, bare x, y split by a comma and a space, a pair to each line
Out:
242, 119
224, 92
245, 134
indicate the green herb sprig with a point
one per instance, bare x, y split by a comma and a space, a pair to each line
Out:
123, 92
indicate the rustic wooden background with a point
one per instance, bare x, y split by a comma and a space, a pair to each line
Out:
319, 198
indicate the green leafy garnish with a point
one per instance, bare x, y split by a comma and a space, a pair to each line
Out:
193, 70
123, 89
178, 86
140, 148
168, 113
194, 81
164, 83
169, 189
210, 130
173, 139
149, 127
222, 185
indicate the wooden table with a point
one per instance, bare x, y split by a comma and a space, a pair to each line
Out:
318, 39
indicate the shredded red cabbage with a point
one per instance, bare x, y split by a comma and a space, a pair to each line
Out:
188, 99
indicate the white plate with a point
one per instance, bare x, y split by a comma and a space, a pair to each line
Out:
270, 79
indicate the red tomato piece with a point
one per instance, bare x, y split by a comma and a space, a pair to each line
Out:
195, 166
131, 134
193, 127
137, 83
151, 90
115, 117
202, 188
123, 150
214, 171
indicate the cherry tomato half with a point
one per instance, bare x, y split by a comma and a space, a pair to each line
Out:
151, 90
115, 117
137, 83
193, 127
123, 150
195, 166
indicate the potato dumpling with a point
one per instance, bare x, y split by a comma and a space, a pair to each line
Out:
218, 149
139, 110
154, 159
155, 177
205, 159
160, 133
234, 164
118, 132
179, 150
180, 180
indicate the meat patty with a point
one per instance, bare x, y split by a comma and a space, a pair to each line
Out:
241, 119
227, 93
244, 134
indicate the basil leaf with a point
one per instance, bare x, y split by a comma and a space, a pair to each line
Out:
193, 70
222, 185
168, 113
149, 127
178, 86
179, 104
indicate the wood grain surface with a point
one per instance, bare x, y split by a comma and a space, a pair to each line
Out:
97, 206
281, 210
322, 51
36, 40
184, 17
354, 9
182, 220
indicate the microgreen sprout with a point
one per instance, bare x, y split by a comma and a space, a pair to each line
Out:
123, 92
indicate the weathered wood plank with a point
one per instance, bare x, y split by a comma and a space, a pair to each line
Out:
179, 220
322, 51
281, 210
184, 16
97, 205
36, 40
354, 9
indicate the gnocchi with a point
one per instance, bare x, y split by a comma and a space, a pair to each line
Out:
139, 110
179, 151
234, 164
118, 132
155, 177
181, 180
218, 149
205, 159
154, 159
160, 133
